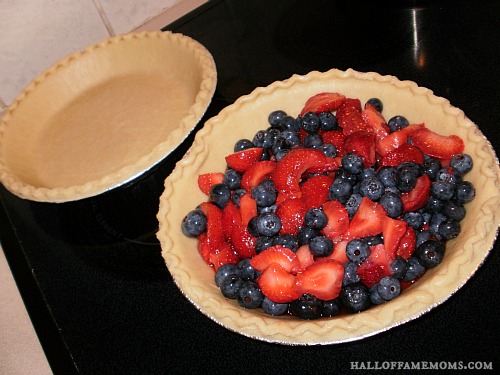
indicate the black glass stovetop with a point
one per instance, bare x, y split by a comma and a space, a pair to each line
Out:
91, 274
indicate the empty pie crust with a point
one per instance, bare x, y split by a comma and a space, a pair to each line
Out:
247, 115
101, 117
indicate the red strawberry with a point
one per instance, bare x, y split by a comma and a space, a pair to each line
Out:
405, 152
376, 121
336, 138
339, 253
323, 102
437, 145
392, 231
291, 213
407, 244
367, 221
207, 180
315, 191
411, 128
215, 233
362, 143
248, 208
305, 257
418, 197
225, 255
243, 242
338, 220
277, 254
326, 164
204, 247
391, 142
230, 218
277, 284
349, 117
240, 161
292, 166
322, 279
256, 173
377, 266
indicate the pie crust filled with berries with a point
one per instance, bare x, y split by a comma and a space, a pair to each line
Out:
464, 254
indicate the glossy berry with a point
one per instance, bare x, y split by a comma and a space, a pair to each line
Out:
357, 251
268, 224
313, 141
387, 175
442, 190
225, 271
434, 205
465, 192
399, 267
430, 253
389, 288
230, 286
352, 163
276, 117
414, 219
286, 240
350, 274
371, 187
237, 194
307, 307
355, 298
449, 229
194, 223
315, 218
414, 270
246, 271
450, 175
340, 190
454, 210
375, 296
243, 144
328, 121
462, 163
310, 122
406, 178
392, 204
220, 195
331, 307
373, 240
249, 295
431, 166
353, 203
329, 150
274, 308
289, 123
306, 234
292, 138
377, 103
321, 246
264, 194
397, 123
263, 243
264, 139
232, 179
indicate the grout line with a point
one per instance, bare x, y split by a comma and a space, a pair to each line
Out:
104, 17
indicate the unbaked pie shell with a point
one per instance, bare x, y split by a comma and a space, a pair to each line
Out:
247, 115
101, 117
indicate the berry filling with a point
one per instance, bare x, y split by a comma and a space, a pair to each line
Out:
333, 211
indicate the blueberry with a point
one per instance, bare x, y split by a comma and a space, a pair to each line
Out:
307, 307
377, 103
414, 219
357, 251
424, 235
232, 179
230, 285
274, 308
220, 195
414, 270
280, 145
321, 246
194, 223
387, 175
328, 121
350, 274
436, 220
287, 240
264, 195
292, 138
353, 203
450, 175
462, 163
373, 240
268, 224
375, 296
237, 194
392, 204
329, 150
271, 208
399, 267
315, 218
310, 122
346, 175
264, 139
368, 172
397, 123
276, 117
406, 179
306, 234
252, 227
246, 270
340, 190
430, 253
465, 192
331, 307
434, 205
289, 123
243, 144
431, 167
352, 163
389, 288
249, 295
262, 243
355, 298
371, 187
442, 190
225, 271
313, 141
449, 229
454, 210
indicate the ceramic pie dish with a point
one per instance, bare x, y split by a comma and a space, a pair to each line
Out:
248, 114
101, 117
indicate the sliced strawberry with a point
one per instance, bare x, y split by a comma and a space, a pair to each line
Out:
207, 180
437, 145
225, 255
277, 284
407, 244
393, 231
257, 173
376, 266
292, 166
338, 220
240, 161
215, 233
367, 221
349, 117
231, 218
315, 191
305, 257
248, 208
339, 253
323, 102
391, 142
362, 143
291, 213
411, 128
376, 121
405, 152
243, 242
326, 164
418, 197
278, 254
322, 279
204, 247
336, 138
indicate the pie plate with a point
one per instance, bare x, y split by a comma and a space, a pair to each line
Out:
103, 116
464, 254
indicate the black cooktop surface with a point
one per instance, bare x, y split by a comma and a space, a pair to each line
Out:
91, 273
